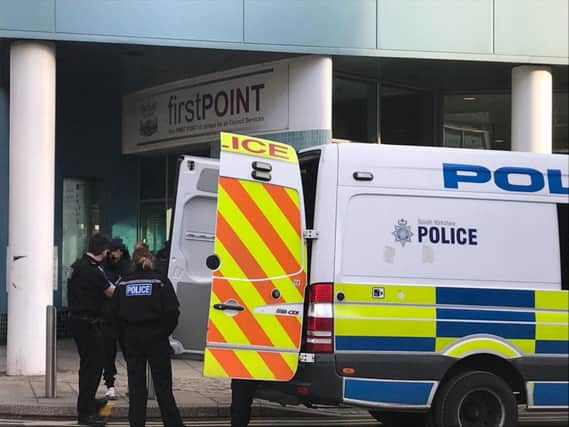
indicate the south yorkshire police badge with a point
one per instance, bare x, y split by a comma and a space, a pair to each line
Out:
402, 232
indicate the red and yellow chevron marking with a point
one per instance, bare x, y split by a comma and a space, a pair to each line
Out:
249, 364
258, 240
267, 330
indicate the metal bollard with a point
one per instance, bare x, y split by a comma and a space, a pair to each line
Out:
151, 391
50, 351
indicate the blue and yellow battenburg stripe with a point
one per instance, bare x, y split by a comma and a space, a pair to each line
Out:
452, 321
547, 394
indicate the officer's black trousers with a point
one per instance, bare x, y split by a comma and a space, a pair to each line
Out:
89, 340
110, 370
155, 349
242, 392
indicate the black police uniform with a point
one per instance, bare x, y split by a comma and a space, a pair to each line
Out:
85, 293
147, 311
114, 271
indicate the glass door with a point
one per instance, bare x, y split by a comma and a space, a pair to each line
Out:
153, 225
81, 218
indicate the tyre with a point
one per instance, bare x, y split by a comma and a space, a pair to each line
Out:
400, 419
473, 399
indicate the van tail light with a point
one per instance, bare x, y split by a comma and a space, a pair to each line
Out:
320, 319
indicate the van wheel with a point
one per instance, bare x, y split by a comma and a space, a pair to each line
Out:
400, 419
473, 399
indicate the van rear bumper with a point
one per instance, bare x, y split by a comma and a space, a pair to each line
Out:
314, 383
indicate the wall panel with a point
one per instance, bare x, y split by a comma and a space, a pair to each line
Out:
532, 27
463, 26
206, 20
335, 23
27, 15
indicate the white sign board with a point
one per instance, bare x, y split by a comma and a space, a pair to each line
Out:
248, 100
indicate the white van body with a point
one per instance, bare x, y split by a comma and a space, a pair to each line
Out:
408, 184
409, 239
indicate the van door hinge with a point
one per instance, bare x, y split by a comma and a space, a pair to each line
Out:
310, 234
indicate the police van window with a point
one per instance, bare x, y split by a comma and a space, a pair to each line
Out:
563, 223
309, 172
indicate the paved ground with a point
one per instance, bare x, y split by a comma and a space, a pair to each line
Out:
196, 395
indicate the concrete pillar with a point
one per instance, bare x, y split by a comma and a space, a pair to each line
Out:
532, 93
31, 203
4, 138
310, 101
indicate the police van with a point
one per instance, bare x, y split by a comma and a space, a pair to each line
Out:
425, 284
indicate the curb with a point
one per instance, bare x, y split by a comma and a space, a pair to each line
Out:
153, 412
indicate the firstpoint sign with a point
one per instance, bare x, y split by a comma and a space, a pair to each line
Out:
250, 99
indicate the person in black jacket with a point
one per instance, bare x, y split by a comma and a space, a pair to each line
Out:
118, 265
87, 289
146, 308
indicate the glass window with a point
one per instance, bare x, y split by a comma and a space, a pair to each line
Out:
153, 225
560, 122
80, 220
354, 110
406, 116
152, 178
172, 175
477, 121
485, 120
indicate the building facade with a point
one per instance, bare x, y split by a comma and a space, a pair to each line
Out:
85, 86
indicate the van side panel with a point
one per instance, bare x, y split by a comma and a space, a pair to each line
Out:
480, 174
446, 241
433, 269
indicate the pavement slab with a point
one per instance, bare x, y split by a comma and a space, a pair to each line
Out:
197, 396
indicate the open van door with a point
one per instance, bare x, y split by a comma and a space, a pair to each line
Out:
259, 278
193, 230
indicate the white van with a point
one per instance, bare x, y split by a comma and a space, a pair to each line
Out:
419, 282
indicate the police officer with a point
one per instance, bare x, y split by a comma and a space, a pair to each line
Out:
146, 308
87, 289
118, 265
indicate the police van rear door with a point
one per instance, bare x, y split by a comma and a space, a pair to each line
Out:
193, 230
255, 311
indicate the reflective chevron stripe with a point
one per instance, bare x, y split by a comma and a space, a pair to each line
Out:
260, 246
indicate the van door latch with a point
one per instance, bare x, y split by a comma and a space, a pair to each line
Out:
310, 234
228, 307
